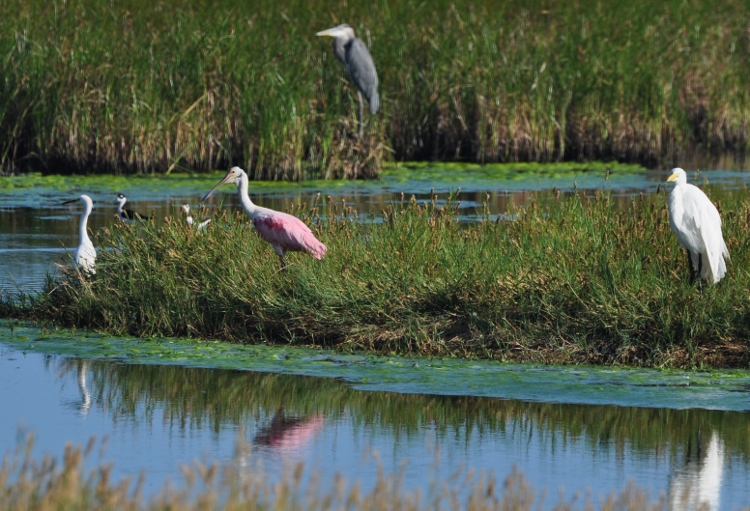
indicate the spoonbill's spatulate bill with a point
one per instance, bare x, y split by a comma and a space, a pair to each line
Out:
85, 255
697, 224
355, 56
283, 231
127, 215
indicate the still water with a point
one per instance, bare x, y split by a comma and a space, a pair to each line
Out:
37, 231
444, 416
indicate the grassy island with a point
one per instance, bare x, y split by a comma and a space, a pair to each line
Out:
564, 279
154, 86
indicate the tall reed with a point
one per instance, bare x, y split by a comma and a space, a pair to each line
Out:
138, 86
564, 279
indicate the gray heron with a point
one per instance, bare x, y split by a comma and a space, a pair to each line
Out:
355, 56
85, 255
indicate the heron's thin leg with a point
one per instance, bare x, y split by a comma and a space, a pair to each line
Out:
690, 266
361, 113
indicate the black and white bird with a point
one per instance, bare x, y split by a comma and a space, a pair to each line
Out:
201, 226
85, 255
355, 56
127, 215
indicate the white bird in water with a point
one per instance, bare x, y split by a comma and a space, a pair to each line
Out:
283, 231
127, 215
85, 254
697, 224
189, 218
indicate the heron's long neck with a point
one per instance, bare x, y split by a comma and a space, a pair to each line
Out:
250, 208
82, 232
339, 48
121, 205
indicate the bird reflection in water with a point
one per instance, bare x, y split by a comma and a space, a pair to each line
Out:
697, 486
287, 435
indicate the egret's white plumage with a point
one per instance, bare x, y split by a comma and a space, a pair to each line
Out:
201, 226
85, 255
283, 231
697, 224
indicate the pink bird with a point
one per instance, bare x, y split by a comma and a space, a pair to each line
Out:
283, 231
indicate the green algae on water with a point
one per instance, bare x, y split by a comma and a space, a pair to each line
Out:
715, 390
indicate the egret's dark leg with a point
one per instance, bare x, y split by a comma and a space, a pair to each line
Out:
700, 272
690, 267
361, 113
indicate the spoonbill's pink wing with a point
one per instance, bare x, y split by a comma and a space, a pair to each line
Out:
289, 233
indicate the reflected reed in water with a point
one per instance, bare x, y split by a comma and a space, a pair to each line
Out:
203, 398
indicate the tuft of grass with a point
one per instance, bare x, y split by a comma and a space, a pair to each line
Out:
139, 86
564, 279
31, 485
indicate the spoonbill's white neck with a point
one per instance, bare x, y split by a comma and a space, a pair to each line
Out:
250, 208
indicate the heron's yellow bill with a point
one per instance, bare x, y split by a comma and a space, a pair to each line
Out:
672, 177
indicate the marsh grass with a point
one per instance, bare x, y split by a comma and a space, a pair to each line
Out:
563, 279
32, 485
139, 86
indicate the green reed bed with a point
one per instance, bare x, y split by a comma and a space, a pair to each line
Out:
138, 86
565, 279
52, 483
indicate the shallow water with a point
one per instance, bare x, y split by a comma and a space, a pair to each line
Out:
38, 232
164, 402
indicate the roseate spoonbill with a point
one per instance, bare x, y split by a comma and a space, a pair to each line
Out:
85, 255
283, 231
189, 218
127, 215
696, 222
355, 56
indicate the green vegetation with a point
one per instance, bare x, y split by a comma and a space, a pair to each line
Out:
139, 86
27, 484
567, 280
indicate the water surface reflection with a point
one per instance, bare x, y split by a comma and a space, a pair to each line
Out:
158, 416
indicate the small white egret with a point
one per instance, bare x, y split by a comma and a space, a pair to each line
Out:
697, 224
201, 226
127, 215
85, 254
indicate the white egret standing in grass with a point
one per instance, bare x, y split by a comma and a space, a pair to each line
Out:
283, 231
201, 226
697, 224
85, 254
127, 215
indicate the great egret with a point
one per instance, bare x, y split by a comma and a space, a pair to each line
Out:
201, 226
127, 215
283, 231
355, 56
85, 255
697, 224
